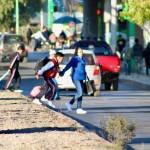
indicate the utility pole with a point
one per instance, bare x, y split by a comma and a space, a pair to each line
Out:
17, 17
50, 13
131, 34
100, 19
113, 24
41, 18
107, 18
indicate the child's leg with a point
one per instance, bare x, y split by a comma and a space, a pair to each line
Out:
17, 78
51, 90
79, 91
79, 102
56, 95
9, 81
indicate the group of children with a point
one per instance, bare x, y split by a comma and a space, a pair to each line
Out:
49, 72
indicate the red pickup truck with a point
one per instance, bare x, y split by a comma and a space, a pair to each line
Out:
109, 61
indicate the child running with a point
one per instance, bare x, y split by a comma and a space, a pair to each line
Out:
49, 72
14, 69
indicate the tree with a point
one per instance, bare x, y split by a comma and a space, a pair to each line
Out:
138, 11
71, 5
28, 8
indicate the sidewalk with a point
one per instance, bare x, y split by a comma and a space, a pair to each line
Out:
140, 78
25, 125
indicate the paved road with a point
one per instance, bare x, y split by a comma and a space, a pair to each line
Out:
134, 106
131, 101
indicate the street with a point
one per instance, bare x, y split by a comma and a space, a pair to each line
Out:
131, 101
134, 106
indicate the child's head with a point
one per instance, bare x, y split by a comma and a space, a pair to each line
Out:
78, 52
59, 56
21, 48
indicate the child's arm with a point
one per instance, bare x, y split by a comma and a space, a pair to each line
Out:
68, 66
13, 61
48, 66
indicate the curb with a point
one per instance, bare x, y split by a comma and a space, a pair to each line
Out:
139, 78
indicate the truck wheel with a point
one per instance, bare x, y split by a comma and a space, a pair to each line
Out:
108, 86
114, 85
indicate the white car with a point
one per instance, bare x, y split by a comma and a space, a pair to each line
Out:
93, 70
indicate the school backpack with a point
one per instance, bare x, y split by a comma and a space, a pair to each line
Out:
37, 91
40, 63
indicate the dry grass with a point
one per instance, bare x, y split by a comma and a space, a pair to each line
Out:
27, 126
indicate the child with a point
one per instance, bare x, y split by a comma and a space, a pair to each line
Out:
49, 72
56, 95
14, 68
78, 64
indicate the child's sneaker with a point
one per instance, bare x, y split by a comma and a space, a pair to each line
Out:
43, 99
36, 101
69, 106
18, 91
49, 103
81, 111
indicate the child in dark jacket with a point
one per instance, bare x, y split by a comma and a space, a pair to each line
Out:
49, 72
14, 68
77, 63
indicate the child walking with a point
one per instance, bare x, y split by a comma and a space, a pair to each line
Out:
14, 69
49, 72
77, 63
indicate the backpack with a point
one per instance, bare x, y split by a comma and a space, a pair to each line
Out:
40, 63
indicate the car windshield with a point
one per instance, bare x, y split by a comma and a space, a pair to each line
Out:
11, 39
88, 57
99, 48
102, 51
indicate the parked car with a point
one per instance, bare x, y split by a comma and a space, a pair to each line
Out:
8, 43
110, 61
93, 71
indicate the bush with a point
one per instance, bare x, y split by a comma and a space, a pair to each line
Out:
118, 131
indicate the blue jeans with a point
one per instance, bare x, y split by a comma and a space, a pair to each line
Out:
79, 93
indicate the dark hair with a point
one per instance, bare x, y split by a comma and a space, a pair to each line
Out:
136, 40
59, 54
76, 51
120, 36
148, 45
44, 27
21, 46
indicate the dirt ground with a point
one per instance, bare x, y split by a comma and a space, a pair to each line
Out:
27, 126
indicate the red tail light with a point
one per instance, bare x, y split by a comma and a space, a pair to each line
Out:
97, 70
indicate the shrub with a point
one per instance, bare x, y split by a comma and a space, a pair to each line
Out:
118, 131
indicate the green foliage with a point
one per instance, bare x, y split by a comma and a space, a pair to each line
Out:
138, 11
118, 131
27, 8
